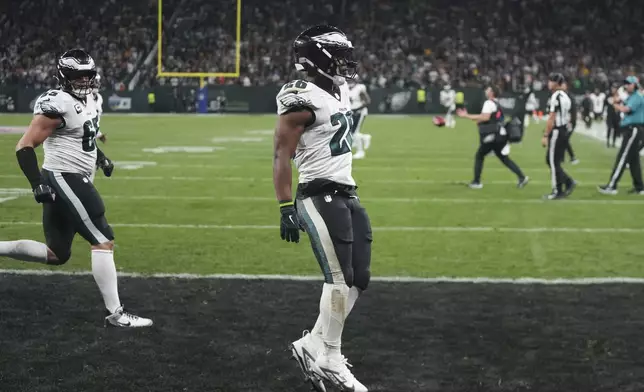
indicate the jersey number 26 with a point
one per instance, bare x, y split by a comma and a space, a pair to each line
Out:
343, 138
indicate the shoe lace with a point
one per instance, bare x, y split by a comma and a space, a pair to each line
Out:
345, 372
130, 316
345, 361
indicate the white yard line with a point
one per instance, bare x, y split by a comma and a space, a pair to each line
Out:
386, 200
488, 229
598, 133
437, 200
10, 192
427, 170
359, 168
399, 279
268, 179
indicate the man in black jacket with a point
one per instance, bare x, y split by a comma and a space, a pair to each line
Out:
573, 124
586, 109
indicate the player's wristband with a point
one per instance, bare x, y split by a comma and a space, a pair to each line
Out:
286, 203
28, 162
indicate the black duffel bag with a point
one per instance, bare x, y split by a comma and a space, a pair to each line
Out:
514, 128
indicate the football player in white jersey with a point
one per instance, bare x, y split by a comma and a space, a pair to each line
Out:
598, 98
314, 129
531, 106
448, 100
65, 122
360, 99
98, 98
98, 101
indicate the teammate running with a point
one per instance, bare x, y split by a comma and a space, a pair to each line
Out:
98, 98
448, 100
360, 99
531, 107
65, 121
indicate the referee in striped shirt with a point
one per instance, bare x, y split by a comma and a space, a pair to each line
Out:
632, 131
556, 136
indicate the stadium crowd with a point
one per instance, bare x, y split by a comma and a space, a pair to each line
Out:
117, 33
428, 43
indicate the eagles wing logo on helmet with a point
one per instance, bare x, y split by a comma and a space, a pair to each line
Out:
333, 38
76, 72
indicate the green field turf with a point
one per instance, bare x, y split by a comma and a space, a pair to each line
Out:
208, 212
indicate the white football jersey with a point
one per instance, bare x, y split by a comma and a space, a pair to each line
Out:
98, 98
598, 102
531, 103
356, 93
71, 148
447, 97
324, 150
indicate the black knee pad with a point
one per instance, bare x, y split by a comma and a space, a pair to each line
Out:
361, 279
62, 255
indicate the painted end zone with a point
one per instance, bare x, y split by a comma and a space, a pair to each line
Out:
232, 335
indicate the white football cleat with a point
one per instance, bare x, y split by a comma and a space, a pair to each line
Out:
475, 185
305, 351
337, 372
359, 155
366, 141
123, 319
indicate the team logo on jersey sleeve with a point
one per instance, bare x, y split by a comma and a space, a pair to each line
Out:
46, 106
294, 100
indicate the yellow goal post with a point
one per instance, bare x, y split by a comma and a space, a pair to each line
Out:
200, 75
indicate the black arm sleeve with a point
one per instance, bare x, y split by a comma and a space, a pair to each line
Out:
100, 157
28, 162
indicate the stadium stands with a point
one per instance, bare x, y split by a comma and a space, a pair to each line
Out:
473, 42
117, 34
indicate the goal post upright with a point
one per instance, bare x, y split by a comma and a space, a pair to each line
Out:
200, 75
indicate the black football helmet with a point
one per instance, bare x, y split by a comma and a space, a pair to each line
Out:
76, 72
325, 50
557, 78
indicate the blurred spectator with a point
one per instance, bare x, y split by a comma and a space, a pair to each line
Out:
401, 43
34, 32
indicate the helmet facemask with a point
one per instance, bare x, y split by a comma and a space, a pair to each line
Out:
80, 83
345, 66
